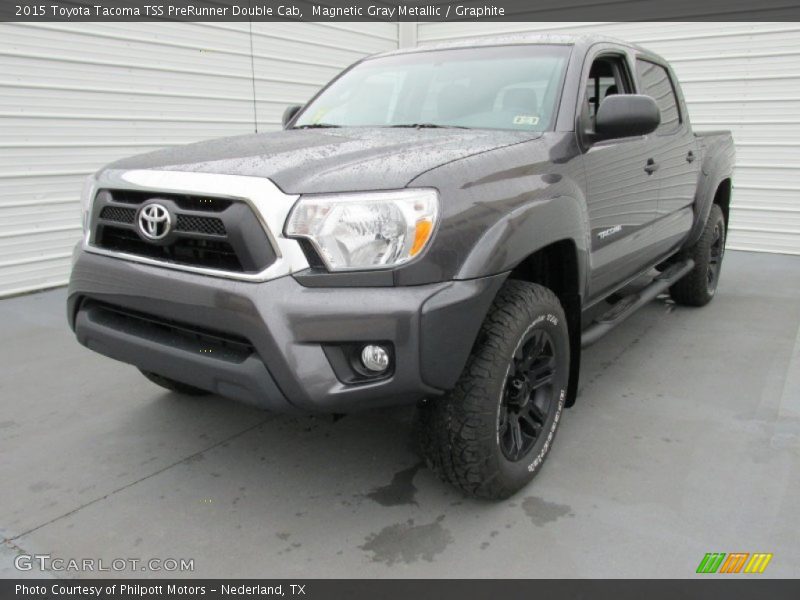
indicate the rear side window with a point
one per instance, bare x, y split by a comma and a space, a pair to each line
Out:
657, 84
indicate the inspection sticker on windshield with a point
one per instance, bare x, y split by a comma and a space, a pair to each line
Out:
526, 120
319, 114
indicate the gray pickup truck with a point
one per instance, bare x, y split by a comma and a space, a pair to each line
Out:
443, 226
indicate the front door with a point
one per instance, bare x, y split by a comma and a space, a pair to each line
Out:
622, 192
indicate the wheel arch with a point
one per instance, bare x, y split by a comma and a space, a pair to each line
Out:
722, 197
557, 267
710, 192
545, 241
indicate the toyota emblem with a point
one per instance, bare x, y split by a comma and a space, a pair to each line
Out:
154, 221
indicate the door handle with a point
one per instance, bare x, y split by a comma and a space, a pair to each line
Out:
690, 157
651, 166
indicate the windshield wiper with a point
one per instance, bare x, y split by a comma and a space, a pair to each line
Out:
316, 126
429, 126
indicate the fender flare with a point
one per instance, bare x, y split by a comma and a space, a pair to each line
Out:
707, 187
526, 230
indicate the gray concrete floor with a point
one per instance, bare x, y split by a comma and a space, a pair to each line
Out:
685, 440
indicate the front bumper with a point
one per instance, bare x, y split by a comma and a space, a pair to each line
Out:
265, 342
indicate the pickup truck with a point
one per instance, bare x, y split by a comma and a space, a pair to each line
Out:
445, 226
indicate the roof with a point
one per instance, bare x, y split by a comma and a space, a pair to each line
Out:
584, 40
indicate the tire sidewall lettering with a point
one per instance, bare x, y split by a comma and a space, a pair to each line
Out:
533, 466
546, 320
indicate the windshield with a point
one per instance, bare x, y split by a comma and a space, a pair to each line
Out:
495, 87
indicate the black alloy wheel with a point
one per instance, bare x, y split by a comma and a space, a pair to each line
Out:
528, 398
491, 434
715, 257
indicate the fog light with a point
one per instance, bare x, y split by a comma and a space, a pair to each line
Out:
375, 358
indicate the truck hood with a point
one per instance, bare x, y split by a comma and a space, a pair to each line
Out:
329, 160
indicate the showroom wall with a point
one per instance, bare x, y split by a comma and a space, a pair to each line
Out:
739, 76
75, 96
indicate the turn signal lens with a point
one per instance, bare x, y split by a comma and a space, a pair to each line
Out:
421, 236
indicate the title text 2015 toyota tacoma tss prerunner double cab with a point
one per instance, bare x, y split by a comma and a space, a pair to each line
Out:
436, 226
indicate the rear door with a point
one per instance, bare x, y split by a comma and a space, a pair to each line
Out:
675, 155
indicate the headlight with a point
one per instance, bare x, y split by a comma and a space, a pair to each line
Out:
373, 230
87, 197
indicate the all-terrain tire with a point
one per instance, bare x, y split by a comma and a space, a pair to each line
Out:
464, 436
174, 386
697, 288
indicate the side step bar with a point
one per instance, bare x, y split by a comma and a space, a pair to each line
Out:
630, 304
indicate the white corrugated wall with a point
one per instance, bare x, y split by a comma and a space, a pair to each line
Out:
76, 96
739, 76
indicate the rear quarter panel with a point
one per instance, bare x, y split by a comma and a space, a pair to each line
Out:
718, 156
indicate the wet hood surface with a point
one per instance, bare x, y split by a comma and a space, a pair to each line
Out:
329, 160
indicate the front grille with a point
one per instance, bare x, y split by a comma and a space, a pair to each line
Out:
188, 223
184, 201
210, 233
210, 254
118, 214
221, 346
207, 225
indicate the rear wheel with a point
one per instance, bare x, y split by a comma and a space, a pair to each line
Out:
174, 386
698, 287
492, 433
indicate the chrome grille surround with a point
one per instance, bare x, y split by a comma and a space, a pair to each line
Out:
269, 204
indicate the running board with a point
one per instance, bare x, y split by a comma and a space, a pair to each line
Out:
630, 304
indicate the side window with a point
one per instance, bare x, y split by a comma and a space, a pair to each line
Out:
657, 84
608, 75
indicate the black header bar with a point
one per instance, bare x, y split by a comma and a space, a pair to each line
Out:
731, 588
399, 10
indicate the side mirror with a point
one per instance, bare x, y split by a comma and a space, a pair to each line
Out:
289, 113
626, 115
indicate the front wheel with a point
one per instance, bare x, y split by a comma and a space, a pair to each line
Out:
491, 434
